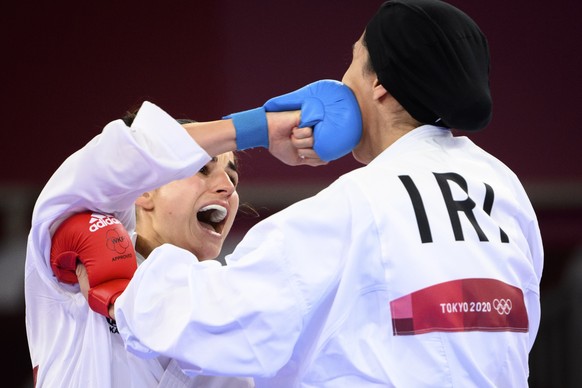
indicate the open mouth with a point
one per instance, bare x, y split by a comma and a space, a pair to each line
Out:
213, 216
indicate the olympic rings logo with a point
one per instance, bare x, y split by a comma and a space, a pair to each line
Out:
502, 306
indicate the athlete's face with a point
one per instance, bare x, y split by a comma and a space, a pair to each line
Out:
357, 73
195, 213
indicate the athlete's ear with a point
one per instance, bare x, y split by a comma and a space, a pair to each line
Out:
145, 201
378, 91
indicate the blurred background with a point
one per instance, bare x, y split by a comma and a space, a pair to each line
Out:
71, 67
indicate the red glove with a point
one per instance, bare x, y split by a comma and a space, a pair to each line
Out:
103, 245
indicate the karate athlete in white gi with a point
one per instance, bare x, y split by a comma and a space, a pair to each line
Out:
70, 344
420, 269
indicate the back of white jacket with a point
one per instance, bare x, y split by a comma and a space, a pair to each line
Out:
420, 269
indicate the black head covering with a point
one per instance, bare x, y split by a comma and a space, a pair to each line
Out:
434, 60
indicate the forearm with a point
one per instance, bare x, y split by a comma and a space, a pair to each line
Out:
215, 137
161, 314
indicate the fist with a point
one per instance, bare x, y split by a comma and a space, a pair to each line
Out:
331, 108
103, 246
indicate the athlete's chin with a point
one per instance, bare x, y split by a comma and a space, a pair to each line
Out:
208, 253
361, 155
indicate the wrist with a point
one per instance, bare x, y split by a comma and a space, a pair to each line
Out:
251, 128
111, 311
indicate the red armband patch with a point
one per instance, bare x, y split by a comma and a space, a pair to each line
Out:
461, 305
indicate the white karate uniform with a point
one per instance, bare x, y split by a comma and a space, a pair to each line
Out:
421, 269
70, 345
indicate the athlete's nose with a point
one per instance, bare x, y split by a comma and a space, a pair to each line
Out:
222, 183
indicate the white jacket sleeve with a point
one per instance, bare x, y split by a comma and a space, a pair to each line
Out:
247, 317
110, 172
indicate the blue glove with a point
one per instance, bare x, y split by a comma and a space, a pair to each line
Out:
328, 106
331, 108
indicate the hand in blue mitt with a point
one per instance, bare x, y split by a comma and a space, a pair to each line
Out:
328, 106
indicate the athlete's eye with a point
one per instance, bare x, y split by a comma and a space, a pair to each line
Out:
204, 170
233, 178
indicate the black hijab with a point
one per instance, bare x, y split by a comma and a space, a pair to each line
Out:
434, 60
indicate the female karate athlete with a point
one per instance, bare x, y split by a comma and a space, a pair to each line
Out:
150, 176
